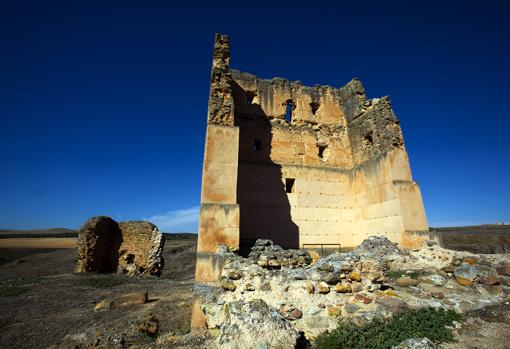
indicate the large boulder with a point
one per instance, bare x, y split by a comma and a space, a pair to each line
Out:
98, 245
250, 325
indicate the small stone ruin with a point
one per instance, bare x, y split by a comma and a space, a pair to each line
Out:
133, 247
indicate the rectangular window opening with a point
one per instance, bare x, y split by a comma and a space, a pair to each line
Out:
289, 185
321, 150
257, 145
288, 111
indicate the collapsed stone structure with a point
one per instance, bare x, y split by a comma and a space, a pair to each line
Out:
302, 166
133, 247
274, 304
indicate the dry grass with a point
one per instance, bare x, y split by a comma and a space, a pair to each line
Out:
38, 243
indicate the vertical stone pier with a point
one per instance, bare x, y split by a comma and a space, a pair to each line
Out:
219, 211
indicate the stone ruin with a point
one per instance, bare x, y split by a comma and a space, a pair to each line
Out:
315, 168
133, 247
305, 167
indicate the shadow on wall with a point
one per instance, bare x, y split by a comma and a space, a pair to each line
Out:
262, 192
106, 254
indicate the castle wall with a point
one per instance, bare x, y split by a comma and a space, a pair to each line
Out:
335, 171
301, 166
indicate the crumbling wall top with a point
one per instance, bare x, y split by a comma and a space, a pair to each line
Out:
221, 103
237, 97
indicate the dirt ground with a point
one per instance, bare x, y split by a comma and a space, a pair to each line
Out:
487, 328
56, 308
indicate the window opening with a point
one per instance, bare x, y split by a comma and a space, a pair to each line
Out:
288, 111
321, 150
314, 106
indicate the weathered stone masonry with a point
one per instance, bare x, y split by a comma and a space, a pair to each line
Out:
133, 247
335, 171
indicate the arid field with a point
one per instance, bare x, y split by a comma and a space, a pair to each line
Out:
51, 306
45, 243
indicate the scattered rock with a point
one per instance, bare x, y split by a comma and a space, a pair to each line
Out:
149, 325
356, 286
105, 304
235, 275
406, 281
362, 298
505, 280
249, 287
316, 311
334, 311
228, 286
351, 308
394, 304
502, 270
486, 270
322, 287
390, 292
123, 301
469, 260
131, 299
355, 276
463, 282
274, 263
438, 295
465, 274
310, 288
448, 269
435, 279
326, 267
294, 314
489, 280
416, 343
263, 326
374, 287
343, 288
263, 243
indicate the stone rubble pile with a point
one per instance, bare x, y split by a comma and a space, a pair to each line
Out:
375, 280
268, 255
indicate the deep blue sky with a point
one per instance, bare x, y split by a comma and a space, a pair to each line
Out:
103, 103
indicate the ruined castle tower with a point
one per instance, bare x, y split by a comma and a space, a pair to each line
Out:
300, 165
